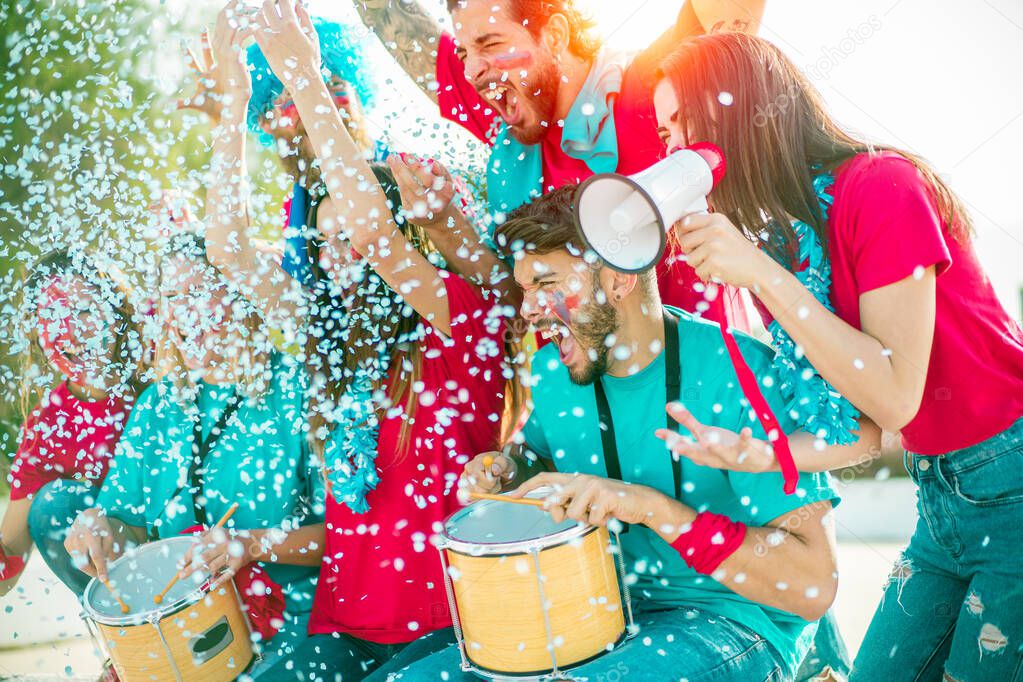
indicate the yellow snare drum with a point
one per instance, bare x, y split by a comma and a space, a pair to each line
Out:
193, 635
530, 598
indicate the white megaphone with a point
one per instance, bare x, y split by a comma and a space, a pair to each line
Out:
626, 219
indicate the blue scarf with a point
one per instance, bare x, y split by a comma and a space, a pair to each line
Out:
296, 258
814, 403
515, 170
351, 450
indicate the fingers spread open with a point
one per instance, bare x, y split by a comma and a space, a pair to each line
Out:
684, 417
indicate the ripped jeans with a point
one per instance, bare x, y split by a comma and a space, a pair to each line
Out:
953, 607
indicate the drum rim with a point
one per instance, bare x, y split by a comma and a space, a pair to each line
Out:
512, 547
158, 613
518, 547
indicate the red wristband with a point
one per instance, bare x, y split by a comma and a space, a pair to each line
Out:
10, 566
710, 539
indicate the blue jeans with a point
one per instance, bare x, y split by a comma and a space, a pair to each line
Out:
828, 650
51, 514
331, 658
674, 644
284, 645
953, 606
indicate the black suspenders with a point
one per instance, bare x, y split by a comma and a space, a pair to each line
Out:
672, 391
200, 450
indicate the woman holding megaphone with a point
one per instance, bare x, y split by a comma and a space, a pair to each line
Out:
861, 259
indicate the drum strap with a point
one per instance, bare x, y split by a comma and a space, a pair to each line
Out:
672, 391
200, 449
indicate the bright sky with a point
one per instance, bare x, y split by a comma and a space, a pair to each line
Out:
937, 77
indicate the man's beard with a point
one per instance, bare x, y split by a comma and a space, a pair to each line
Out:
541, 91
591, 328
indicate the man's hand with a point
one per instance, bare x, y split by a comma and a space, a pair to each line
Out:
593, 499
716, 447
93, 540
487, 472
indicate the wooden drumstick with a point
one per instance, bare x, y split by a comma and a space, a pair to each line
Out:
124, 607
223, 519
531, 501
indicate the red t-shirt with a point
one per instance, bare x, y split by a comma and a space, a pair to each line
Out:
65, 437
639, 147
884, 225
381, 579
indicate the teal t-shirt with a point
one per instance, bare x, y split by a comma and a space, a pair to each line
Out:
563, 427
261, 460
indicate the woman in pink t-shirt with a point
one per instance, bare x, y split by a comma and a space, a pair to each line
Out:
406, 364
82, 327
909, 331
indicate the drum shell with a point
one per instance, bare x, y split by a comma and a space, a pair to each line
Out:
194, 634
500, 606
152, 649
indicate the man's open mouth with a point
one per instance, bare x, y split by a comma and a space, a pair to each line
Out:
505, 100
564, 339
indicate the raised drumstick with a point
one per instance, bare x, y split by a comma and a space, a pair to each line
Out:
223, 519
124, 607
531, 501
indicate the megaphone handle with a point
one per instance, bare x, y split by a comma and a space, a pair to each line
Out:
751, 389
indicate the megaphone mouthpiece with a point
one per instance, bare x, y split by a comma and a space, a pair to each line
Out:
714, 157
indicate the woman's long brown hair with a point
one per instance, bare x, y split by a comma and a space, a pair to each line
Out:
336, 347
744, 95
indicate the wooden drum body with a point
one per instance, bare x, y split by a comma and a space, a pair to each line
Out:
194, 634
530, 597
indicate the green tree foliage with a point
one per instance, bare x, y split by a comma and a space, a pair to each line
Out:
88, 137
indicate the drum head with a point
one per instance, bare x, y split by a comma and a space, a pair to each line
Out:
137, 577
506, 525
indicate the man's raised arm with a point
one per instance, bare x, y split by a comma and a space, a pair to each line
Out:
729, 15
409, 33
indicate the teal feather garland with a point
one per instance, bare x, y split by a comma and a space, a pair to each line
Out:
813, 403
350, 452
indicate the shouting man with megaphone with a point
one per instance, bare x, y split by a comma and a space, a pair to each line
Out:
728, 571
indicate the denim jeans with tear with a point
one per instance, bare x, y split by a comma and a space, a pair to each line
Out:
953, 607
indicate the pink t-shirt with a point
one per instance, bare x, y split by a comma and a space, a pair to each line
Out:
882, 227
381, 577
65, 437
638, 148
